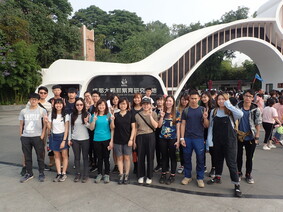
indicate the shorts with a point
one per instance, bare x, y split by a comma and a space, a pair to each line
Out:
55, 141
122, 149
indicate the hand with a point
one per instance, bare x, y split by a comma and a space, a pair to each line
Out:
205, 114
70, 143
62, 145
183, 143
112, 117
150, 112
45, 119
134, 145
130, 143
226, 96
110, 146
162, 114
94, 117
86, 119
112, 110
177, 144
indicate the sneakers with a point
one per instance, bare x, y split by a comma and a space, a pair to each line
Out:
98, 178
41, 177
148, 181
77, 178
200, 183
93, 169
26, 178
62, 178
212, 172
214, 180
162, 179
24, 171
180, 169
272, 146
281, 142
237, 190
115, 170
157, 168
249, 179
106, 178
46, 168
85, 179
141, 180
121, 179
265, 147
171, 179
186, 181
126, 179
56, 179
240, 176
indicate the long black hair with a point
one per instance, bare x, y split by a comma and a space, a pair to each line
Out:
210, 103
54, 110
75, 113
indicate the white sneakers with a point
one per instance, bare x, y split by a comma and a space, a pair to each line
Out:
265, 147
141, 180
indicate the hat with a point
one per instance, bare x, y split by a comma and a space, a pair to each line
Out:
146, 100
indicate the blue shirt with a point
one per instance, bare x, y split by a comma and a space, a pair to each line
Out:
102, 130
244, 124
168, 129
194, 122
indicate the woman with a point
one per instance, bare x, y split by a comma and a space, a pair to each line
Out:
169, 123
58, 123
124, 132
88, 100
183, 103
269, 116
279, 107
103, 139
222, 135
79, 138
146, 123
207, 102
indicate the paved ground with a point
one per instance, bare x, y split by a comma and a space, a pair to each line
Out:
265, 195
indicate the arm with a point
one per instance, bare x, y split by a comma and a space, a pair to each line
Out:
237, 113
21, 127
111, 140
43, 130
62, 145
152, 121
92, 122
177, 144
160, 122
182, 133
131, 141
257, 127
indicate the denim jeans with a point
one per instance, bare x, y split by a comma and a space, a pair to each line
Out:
198, 146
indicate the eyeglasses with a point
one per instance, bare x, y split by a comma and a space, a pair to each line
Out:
42, 93
248, 96
79, 105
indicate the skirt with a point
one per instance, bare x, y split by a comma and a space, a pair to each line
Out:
55, 141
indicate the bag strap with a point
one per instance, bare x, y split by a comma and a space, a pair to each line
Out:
146, 122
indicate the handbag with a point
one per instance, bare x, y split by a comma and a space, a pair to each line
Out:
241, 135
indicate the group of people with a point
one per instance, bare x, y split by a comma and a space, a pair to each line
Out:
93, 126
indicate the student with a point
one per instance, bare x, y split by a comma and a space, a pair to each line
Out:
70, 103
169, 123
57, 90
58, 124
146, 123
88, 100
224, 138
124, 132
279, 107
103, 139
148, 92
32, 132
79, 138
194, 120
183, 103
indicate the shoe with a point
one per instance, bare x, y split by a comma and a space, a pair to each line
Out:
46, 168
275, 140
200, 183
157, 168
98, 178
74, 166
240, 176
126, 179
56, 179
205, 169
41, 177
238, 192
162, 179
93, 169
26, 178
212, 172
272, 146
141, 180
115, 169
77, 178
186, 181
249, 179
148, 181
171, 179
121, 179
180, 169
106, 178
214, 180
62, 178
85, 179
281, 142
24, 171
265, 147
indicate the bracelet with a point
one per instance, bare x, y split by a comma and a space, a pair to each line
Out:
256, 138
182, 139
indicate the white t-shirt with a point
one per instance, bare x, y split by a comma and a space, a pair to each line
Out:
58, 124
268, 113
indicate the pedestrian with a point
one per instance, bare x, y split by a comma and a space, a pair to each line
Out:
32, 133
279, 107
58, 123
169, 123
224, 138
146, 123
124, 132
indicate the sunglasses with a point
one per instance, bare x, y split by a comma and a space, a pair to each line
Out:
42, 93
79, 105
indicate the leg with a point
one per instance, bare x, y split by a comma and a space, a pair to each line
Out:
199, 149
39, 149
57, 156
98, 150
250, 149
172, 155
187, 153
120, 164
150, 154
219, 158
157, 148
240, 156
141, 155
77, 154
27, 150
106, 155
65, 160
127, 164
231, 160
85, 150
164, 151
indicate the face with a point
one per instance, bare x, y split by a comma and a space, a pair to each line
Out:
194, 99
115, 100
184, 102
79, 105
148, 92
123, 106
160, 102
42, 94
146, 106
248, 98
95, 97
220, 101
169, 102
204, 98
59, 106
57, 91
72, 95
101, 107
87, 97
137, 100
33, 101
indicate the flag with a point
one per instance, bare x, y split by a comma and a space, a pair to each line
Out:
258, 77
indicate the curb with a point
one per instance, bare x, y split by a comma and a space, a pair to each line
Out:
4, 108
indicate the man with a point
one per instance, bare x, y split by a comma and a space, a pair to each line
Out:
194, 120
148, 92
57, 90
249, 124
70, 103
32, 132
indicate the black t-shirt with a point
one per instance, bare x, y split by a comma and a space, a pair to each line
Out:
123, 128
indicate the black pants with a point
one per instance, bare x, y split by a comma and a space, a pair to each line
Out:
181, 155
268, 128
168, 150
78, 148
250, 149
91, 152
37, 143
145, 147
157, 148
212, 156
102, 155
225, 146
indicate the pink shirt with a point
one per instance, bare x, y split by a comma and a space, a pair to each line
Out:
279, 109
260, 103
268, 115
